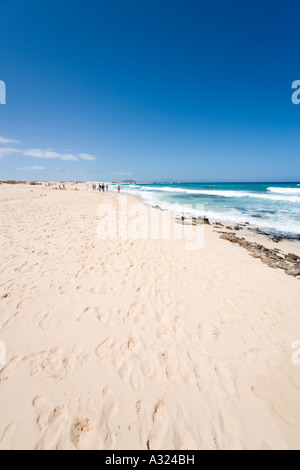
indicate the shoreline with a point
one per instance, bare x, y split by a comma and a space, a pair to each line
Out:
276, 234
258, 243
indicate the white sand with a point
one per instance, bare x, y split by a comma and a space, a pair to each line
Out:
123, 344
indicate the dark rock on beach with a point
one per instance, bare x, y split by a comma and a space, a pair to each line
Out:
292, 257
274, 258
261, 232
275, 238
192, 220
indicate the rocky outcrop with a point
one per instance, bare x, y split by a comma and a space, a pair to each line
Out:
189, 220
273, 257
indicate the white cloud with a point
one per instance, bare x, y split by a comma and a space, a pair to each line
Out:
3, 140
35, 167
45, 153
48, 154
86, 156
7, 151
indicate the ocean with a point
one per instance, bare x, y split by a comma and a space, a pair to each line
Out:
271, 207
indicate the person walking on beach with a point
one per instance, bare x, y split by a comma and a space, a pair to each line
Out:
119, 188
103, 188
106, 187
99, 188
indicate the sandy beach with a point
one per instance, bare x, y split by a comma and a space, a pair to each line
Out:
139, 344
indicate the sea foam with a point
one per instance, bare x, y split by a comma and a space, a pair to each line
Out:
284, 190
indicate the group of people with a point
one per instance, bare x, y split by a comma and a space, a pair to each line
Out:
60, 186
101, 187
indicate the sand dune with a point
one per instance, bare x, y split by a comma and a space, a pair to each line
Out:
138, 344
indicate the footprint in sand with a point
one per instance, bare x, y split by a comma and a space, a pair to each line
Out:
141, 323
4, 296
135, 346
253, 356
208, 334
110, 409
7, 436
54, 364
43, 408
110, 404
163, 333
45, 322
134, 351
178, 324
150, 369
164, 299
226, 378
144, 412
85, 433
7, 371
79, 431
57, 362
107, 318
137, 381
53, 425
125, 370
6, 324
105, 349
159, 427
133, 311
84, 314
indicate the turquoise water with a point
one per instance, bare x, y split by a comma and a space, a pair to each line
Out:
273, 207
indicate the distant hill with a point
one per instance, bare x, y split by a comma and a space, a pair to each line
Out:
128, 181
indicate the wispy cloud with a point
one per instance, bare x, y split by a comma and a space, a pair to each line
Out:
3, 140
86, 156
48, 154
45, 153
35, 168
7, 151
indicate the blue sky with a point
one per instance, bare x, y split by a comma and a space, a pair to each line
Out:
149, 90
